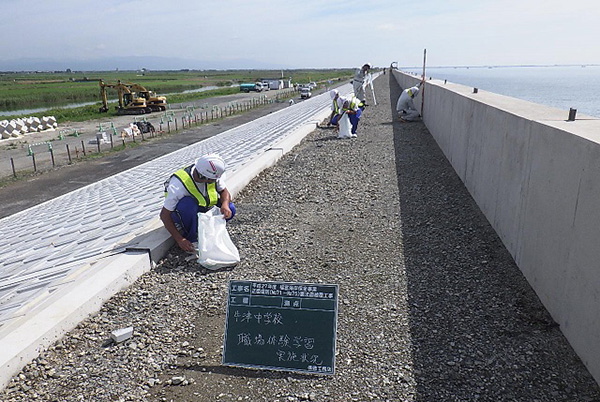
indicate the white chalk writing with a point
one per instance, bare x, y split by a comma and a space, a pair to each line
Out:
282, 341
259, 318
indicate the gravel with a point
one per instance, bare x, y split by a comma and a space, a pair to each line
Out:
432, 306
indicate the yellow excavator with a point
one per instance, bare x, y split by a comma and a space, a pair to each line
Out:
129, 102
153, 101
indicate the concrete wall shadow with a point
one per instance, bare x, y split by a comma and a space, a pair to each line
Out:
478, 330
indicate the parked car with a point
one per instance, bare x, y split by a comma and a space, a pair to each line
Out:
312, 85
266, 85
305, 93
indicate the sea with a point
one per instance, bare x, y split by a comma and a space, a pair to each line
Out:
562, 87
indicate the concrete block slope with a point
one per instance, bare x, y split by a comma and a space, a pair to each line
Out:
48, 250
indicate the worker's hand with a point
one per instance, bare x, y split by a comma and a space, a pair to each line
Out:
226, 211
186, 245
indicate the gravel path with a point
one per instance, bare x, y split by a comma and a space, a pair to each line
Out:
432, 307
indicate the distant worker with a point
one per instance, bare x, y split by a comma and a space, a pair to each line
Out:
193, 189
360, 81
406, 107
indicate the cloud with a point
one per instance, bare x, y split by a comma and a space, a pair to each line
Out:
311, 33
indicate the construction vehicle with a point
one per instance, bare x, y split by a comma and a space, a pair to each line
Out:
129, 102
153, 101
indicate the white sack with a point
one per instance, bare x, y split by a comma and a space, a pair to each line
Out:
345, 127
215, 248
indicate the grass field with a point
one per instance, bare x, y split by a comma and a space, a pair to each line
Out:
53, 90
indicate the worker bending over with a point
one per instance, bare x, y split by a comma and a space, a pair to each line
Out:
406, 107
359, 82
193, 189
351, 106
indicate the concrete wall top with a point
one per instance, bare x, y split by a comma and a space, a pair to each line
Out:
584, 126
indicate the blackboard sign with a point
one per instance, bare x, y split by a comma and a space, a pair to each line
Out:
281, 326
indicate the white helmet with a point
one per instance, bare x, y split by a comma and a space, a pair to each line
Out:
413, 91
333, 93
210, 166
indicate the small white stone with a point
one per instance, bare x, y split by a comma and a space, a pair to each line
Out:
122, 334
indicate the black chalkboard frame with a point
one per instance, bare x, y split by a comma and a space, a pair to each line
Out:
284, 326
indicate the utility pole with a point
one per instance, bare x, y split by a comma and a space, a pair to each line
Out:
423, 81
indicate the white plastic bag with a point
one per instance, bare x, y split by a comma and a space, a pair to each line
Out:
215, 248
345, 127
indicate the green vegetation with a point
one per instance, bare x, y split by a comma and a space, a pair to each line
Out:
90, 112
186, 97
39, 90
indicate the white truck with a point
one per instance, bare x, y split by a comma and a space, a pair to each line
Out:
305, 93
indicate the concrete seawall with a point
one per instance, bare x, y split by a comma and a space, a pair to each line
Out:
536, 177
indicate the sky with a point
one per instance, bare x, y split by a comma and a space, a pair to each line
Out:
300, 34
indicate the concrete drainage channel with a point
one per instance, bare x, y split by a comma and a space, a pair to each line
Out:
60, 260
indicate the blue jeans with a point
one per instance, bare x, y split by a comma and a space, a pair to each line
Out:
354, 119
185, 217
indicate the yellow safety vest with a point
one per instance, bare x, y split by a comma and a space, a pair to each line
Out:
353, 103
336, 108
185, 176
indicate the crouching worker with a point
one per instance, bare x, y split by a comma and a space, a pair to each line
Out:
336, 108
405, 107
193, 189
351, 106
354, 108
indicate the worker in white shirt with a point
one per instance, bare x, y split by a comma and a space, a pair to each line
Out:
360, 80
350, 107
337, 103
405, 107
193, 189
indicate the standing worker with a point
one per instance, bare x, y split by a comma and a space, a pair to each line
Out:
405, 107
360, 81
193, 189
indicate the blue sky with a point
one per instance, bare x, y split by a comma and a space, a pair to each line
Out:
307, 33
